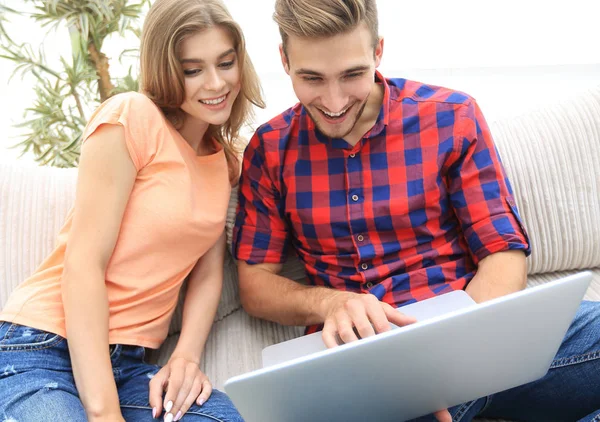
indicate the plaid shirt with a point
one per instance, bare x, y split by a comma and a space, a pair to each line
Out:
405, 214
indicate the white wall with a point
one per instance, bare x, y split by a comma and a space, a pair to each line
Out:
512, 55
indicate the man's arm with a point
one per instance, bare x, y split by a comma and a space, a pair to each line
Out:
267, 295
264, 294
481, 197
497, 275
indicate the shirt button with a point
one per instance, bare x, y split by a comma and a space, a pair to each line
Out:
364, 266
355, 198
360, 238
369, 285
352, 155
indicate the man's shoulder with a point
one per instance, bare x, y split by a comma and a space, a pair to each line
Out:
408, 90
280, 126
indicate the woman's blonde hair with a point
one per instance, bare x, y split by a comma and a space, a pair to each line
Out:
324, 18
167, 25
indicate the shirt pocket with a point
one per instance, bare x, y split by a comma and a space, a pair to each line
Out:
15, 337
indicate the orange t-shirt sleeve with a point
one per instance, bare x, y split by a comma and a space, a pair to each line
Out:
141, 119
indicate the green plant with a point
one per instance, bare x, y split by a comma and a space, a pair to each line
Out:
54, 124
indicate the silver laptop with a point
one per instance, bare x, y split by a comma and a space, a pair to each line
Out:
465, 352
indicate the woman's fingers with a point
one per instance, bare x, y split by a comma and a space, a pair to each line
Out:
176, 379
157, 387
189, 374
205, 393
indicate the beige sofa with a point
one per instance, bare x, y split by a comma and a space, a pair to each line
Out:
552, 157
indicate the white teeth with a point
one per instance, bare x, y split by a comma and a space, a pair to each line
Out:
334, 114
215, 101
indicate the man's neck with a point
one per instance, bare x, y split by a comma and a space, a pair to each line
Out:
369, 116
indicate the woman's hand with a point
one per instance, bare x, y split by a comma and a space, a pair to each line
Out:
115, 417
183, 382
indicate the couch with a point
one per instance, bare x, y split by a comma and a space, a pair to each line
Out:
552, 157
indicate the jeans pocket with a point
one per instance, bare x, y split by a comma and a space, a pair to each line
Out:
22, 338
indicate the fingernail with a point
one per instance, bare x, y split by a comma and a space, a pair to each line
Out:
169, 406
154, 413
179, 415
169, 417
200, 402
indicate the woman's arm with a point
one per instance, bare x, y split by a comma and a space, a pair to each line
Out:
181, 375
105, 180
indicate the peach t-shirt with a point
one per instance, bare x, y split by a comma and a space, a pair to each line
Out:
175, 213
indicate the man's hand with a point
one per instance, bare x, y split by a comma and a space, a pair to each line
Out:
346, 311
184, 383
443, 416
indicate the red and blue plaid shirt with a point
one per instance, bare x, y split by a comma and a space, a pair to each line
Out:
405, 214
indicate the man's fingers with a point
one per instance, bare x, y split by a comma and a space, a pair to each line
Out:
443, 416
157, 386
396, 317
376, 313
345, 326
206, 392
328, 334
359, 315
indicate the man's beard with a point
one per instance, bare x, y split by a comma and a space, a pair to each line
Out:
320, 129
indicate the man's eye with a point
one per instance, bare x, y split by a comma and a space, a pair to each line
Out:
311, 78
353, 75
191, 72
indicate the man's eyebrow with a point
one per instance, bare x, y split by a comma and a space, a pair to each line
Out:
354, 69
222, 55
308, 72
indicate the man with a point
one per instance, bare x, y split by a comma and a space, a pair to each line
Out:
390, 192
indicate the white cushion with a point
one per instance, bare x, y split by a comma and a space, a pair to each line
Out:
552, 157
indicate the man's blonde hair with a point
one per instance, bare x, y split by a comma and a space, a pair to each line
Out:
324, 18
167, 25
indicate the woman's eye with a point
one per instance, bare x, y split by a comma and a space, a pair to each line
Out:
227, 65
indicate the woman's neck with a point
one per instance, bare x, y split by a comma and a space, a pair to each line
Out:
193, 131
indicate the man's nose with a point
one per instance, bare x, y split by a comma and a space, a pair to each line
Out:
334, 99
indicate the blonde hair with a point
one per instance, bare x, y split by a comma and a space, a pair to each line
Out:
324, 18
168, 23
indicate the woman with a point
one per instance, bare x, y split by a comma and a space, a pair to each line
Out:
154, 181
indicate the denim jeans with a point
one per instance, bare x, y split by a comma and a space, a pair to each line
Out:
37, 384
569, 392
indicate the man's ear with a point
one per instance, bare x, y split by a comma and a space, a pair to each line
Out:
378, 51
284, 60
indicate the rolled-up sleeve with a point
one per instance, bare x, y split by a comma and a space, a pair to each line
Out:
480, 191
260, 233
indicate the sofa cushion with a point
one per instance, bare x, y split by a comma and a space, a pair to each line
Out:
34, 202
552, 157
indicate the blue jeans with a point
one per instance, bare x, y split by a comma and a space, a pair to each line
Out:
570, 391
37, 384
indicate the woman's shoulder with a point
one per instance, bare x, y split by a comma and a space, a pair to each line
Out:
134, 100
133, 110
